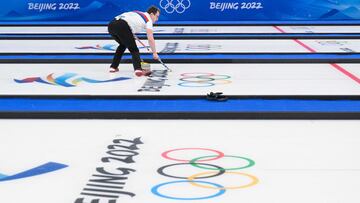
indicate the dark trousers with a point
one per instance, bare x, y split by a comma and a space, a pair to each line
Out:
121, 32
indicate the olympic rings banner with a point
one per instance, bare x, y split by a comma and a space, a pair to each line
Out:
102, 11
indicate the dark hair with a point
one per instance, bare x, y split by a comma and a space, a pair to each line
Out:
153, 10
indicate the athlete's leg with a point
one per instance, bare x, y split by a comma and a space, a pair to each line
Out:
115, 28
118, 53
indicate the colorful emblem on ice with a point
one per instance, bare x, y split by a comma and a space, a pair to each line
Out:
203, 79
39, 170
107, 47
66, 80
206, 168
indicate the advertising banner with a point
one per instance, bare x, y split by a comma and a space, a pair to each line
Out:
102, 11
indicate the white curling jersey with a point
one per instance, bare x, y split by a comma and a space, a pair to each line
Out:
137, 20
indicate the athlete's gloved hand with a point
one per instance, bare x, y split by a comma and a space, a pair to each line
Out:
155, 56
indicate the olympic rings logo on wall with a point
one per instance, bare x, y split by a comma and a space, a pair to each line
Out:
170, 7
198, 79
211, 170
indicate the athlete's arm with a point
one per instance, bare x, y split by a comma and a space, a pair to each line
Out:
151, 40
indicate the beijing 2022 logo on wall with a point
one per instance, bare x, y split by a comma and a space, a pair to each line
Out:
175, 6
